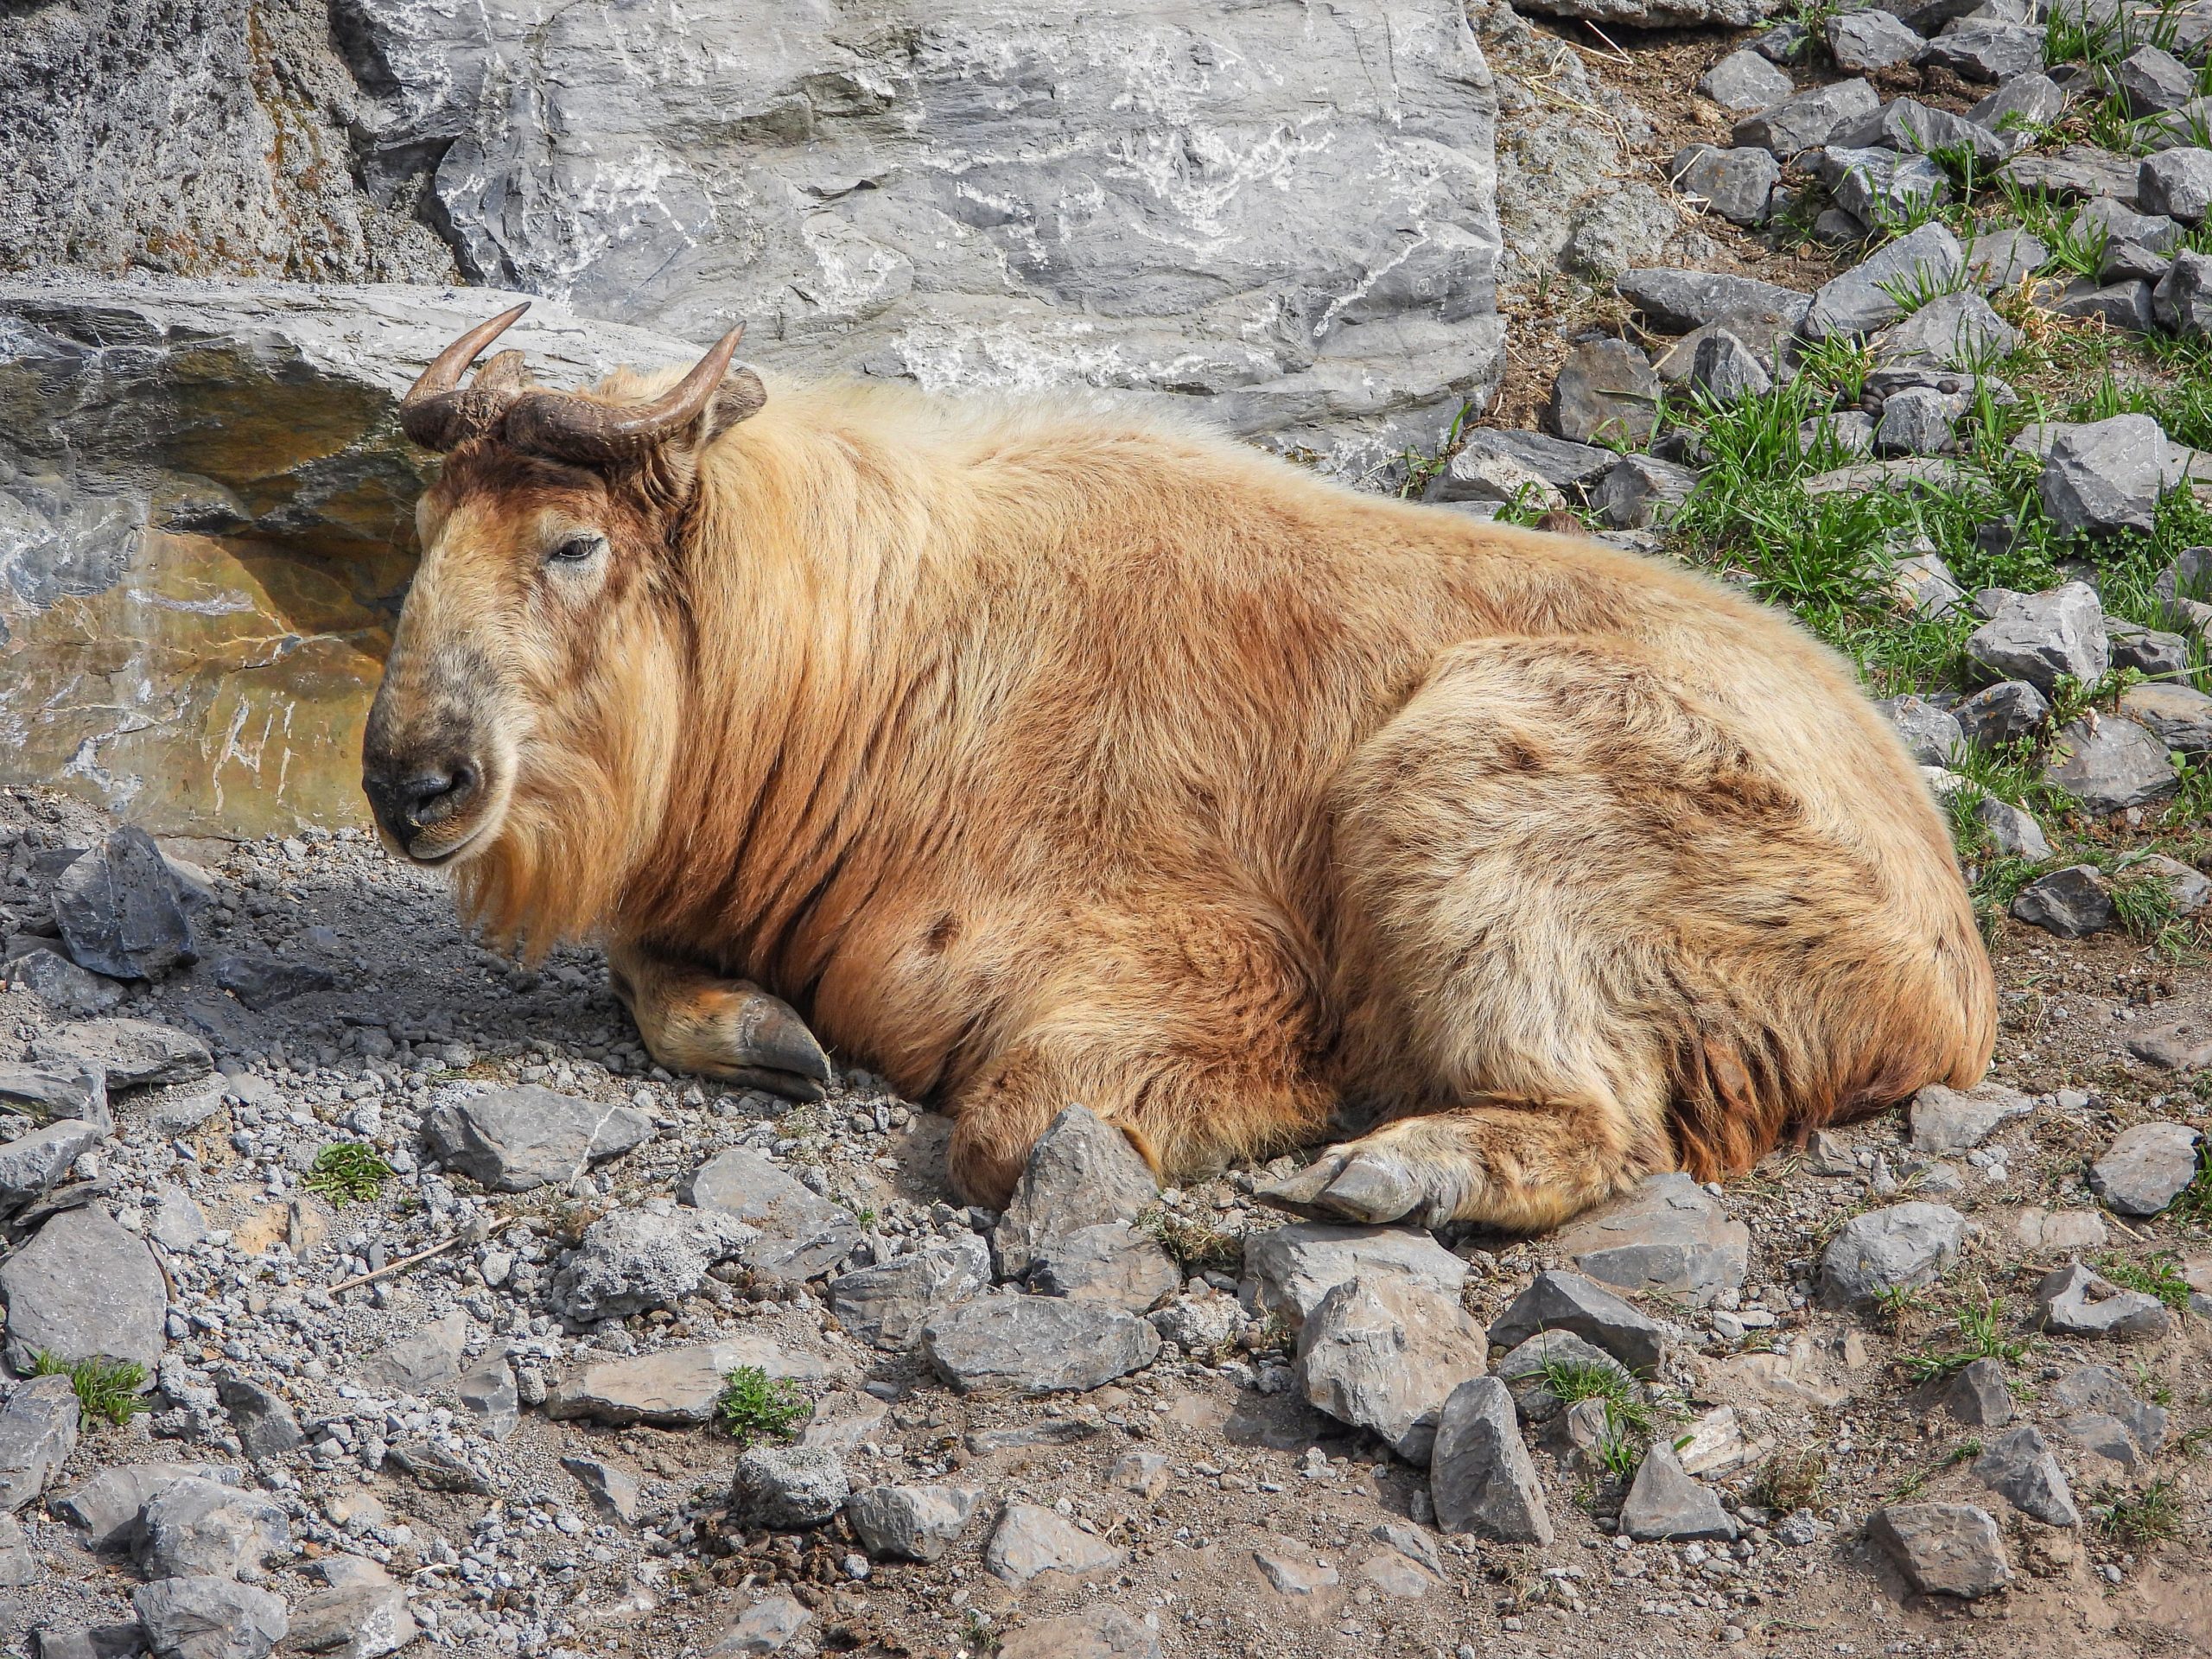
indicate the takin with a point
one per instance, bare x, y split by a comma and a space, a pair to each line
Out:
1032, 756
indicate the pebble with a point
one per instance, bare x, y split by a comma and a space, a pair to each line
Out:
1666, 1503
912, 1523
2075, 1301
1082, 1173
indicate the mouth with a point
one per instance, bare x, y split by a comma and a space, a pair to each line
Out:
432, 847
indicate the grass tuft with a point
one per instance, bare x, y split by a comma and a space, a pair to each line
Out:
1982, 1330
108, 1390
1790, 1480
2149, 1516
1198, 1245
755, 1406
347, 1172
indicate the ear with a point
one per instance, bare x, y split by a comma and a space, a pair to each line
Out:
738, 398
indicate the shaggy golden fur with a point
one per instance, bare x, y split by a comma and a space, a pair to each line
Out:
1039, 757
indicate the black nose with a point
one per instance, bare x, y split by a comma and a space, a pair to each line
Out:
408, 799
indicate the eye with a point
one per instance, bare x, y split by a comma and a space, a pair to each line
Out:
576, 549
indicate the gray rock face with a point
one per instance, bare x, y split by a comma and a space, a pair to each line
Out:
1562, 465
1112, 1263
2110, 763
788, 1487
634, 1260
2176, 183
108, 1505
2148, 650
1037, 1345
1978, 1396
1291, 1268
119, 910
204, 1529
1999, 713
514, 1140
2182, 300
1902, 1247
60, 983
1385, 1355
2105, 476
1858, 303
1926, 583
1986, 51
418, 1363
889, 1304
1912, 128
38, 1431
1915, 421
1094, 1633
2179, 717
1664, 1502
2000, 259
1081, 1172
1605, 393
671, 1388
1736, 184
1669, 1235
1480, 1476
2040, 636
1638, 492
2018, 105
265, 1422
209, 1617
1678, 301
2154, 80
1860, 41
1569, 1302
2073, 903
912, 1523
261, 982
131, 1053
766, 1626
78, 1093
363, 1617
1947, 1550
800, 1233
2020, 1468
1745, 80
1878, 187
32, 1164
1953, 1120
2015, 832
612, 1488
1726, 369
1528, 1369
488, 1394
2076, 1302
2099, 1390
1030, 1540
1954, 331
85, 1287
2147, 1167
1810, 118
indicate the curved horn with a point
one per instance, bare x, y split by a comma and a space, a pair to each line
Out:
433, 413
580, 429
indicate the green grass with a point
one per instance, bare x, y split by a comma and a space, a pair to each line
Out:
2155, 1277
2194, 1204
2149, 1516
1982, 1331
108, 1390
1790, 1480
346, 1172
1630, 1421
755, 1406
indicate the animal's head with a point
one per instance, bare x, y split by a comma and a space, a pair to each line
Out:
532, 691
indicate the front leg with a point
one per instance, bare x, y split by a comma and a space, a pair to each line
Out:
692, 1020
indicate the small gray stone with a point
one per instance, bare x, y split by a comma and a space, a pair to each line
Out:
1787, 41
1949, 1549
515, 1140
2040, 638
2150, 652
1479, 476
2099, 1390
2073, 903
2183, 1045
1030, 1540
1384, 1355
1956, 1120
61, 984
72, 1093
1926, 584
1669, 1235
1726, 370
2147, 1167
1808, 119
2181, 302
1291, 1268
2019, 106
1952, 331
265, 1424
1986, 51
108, 1505
120, 911
1605, 393
209, 1617
888, 1305
613, 1490
1094, 1633
1569, 1302
131, 1054
1081, 1172
2105, 476
1112, 1263
2154, 81
488, 1394
418, 1363
2020, 1468
1745, 80
364, 1615
1859, 40
32, 1164
2109, 764
38, 1431
1737, 184
912, 1523
1036, 1344
1902, 1247
1858, 302
2076, 1302
1481, 1478
1978, 1396
1665, 1504
1915, 422
204, 1529
1676, 301
1528, 1371
1912, 128
634, 1260
2014, 831
2179, 717
768, 1626
1851, 431
2077, 171
1999, 259
1879, 187
176, 1223
83, 1288
261, 981
788, 1488
2001, 714
1639, 491
1562, 465
2176, 183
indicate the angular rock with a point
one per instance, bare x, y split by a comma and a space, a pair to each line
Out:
2015, 833
1810, 118
1082, 1173
263, 983
2076, 1302
1923, 582
2099, 1390
1199, 1324
1717, 1445
1879, 187
1851, 431
1290, 1570
1858, 303
2001, 714
515, 1140
912, 1523
1291, 1268
108, 1506
1860, 41
2183, 1045
85, 1287
61, 984
1669, 1235
1999, 259
1987, 52
2154, 81
766, 1626
263, 1419
1912, 128
1953, 1120
1950, 1550
2073, 903
77, 1094
672, 1387
1384, 1355
1745, 80
364, 1615
2056, 1231
613, 1490
2110, 763
2176, 183
2179, 717
38, 1431
1605, 393
1562, 465
1529, 1368
1737, 184
2181, 302
1481, 1478
131, 1054
2077, 171
1112, 1263
1726, 369
2039, 637
120, 911
1094, 1633
488, 1394
1915, 422
1567, 1302
1978, 1396
2105, 476
1639, 492
2020, 1468
1902, 1247
204, 1529
1952, 331
420, 1362
209, 1617
1478, 476
788, 1488
634, 1260
1030, 1540
2147, 1167
1676, 301
32, 1164
888, 1305
1036, 1344
1665, 1504
2019, 107
2161, 656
